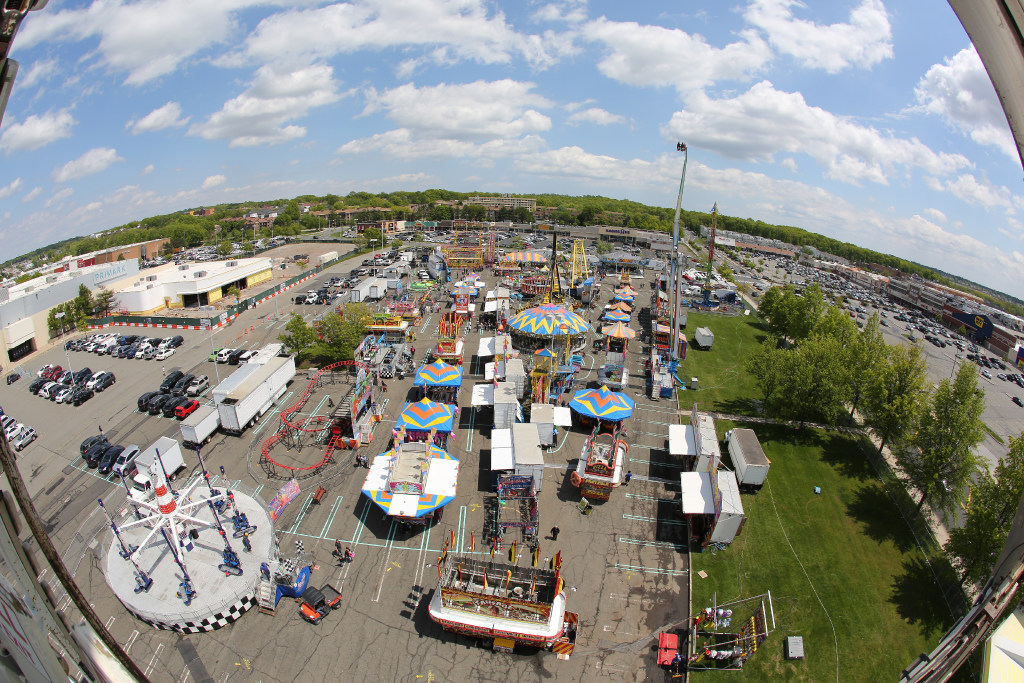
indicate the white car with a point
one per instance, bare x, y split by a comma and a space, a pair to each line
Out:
27, 436
13, 431
94, 380
64, 395
164, 353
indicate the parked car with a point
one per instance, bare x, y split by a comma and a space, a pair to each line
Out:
36, 385
244, 358
143, 401
125, 462
95, 452
27, 436
12, 431
176, 341
169, 408
170, 380
64, 395
164, 353
45, 369
82, 376
81, 395
235, 355
224, 354
13, 377
156, 403
183, 410
90, 442
213, 356
66, 378
1016, 399
105, 381
182, 384
108, 459
50, 390
198, 386
96, 379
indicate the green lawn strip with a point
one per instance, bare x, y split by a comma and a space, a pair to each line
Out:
855, 547
724, 384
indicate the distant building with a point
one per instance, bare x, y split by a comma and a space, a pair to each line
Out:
188, 285
504, 201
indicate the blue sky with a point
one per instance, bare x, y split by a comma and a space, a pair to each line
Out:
868, 121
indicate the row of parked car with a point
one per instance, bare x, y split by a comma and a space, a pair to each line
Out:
99, 453
232, 356
18, 435
63, 386
127, 345
176, 395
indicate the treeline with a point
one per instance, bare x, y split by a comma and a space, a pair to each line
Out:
817, 364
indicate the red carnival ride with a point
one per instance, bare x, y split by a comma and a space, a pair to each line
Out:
296, 430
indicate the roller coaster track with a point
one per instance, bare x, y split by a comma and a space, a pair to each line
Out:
292, 426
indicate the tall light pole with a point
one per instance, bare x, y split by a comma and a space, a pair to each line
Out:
674, 332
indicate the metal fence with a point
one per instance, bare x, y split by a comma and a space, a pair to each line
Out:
945, 576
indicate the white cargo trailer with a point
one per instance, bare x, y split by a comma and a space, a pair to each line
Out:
197, 428
171, 460
254, 395
703, 338
327, 257
748, 458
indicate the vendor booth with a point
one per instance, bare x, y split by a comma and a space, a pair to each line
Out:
548, 417
711, 502
439, 381
426, 420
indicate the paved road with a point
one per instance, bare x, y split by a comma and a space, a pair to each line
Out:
625, 564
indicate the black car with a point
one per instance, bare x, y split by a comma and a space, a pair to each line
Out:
95, 452
83, 376
51, 392
105, 381
13, 377
182, 384
144, 400
176, 341
37, 384
170, 380
1016, 399
81, 395
108, 459
235, 355
157, 403
169, 406
90, 442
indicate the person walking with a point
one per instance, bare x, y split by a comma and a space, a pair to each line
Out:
554, 533
163, 370
629, 475
384, 387
349, 555
338, 550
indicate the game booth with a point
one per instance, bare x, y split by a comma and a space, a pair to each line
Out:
439, 381
426, 420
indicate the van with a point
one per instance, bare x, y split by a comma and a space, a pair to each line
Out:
222, 355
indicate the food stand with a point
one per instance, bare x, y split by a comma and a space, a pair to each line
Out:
353, 418
600, 466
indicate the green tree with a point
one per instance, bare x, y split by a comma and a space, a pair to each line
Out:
975, 545
224, 248
768, 367
298, 336
84, 303
939, 460
373, 238
863, 357
418, 236
104, 300
339, 335
232, 291
814, 382
896, 396
603, 247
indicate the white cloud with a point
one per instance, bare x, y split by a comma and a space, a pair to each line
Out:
149, 169
214, 181
449, 29
167, 116
94, 161
865, 40
32, 194
37, 72
961, 94
935, 215
9, 189
970, 189
655, 56
470, 111
597, 116
790, 163
37, 131
59, 196
762, 122
259, 115
146, 39
571, 12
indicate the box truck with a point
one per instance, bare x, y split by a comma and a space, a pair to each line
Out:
148, 466
327, 257
748, 459
198, 428
703, 338
253, 394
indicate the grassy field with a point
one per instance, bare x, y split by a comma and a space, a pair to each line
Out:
862, 560
724, 385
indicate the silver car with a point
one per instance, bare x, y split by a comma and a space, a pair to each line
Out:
64, 395
24, 438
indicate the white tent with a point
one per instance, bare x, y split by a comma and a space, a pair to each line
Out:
681, 441
528, 456
502, 457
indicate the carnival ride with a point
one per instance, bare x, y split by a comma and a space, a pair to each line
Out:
579, 269
413, 480
297, 430
466, 249
601, 463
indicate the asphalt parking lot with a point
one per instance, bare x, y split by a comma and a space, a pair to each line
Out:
625, 564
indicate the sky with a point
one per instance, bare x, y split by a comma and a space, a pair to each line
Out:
868, 121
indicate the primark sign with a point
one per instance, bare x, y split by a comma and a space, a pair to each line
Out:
115, 271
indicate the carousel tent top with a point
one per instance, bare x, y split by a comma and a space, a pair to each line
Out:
616, 316
426, 415
619, 331
603, 404
412, 466
548, 320
438, 374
